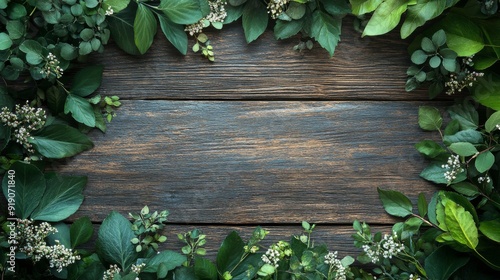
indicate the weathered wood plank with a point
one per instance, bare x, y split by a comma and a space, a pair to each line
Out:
362, 69
253, 162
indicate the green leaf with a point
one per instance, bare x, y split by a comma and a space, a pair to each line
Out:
27, 188
174, 33
427, 45
145, 27
61, 199
87, 80
55, 100
484, 161
469, 135
181, 11
286, 29
385, 17
81, 231
296, 10
491, 229
418, 14
486, 90
5, 132
429, 118
81, 110
16, 29
361, 7
492, 122
230, 252
113, 241
463, 35
169, 260
434, 173
462, 201
326, 30
62, 235
419, 57
443, 262
465, 114
464, 149
430, 148
122, 29
395, 203
336, 7
422, 205
460, 224
435, 61
465, 188
204, 269
60, 141
233, 13
31, 46
254, 19
116, 5
5, 41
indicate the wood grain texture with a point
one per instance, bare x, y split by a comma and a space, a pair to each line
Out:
249, 162
362, 69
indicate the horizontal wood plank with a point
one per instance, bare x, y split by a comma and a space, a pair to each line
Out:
362, 69
253, 162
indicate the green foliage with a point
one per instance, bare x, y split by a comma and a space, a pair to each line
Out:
146, 227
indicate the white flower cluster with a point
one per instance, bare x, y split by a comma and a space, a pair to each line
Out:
52, 67
458, 82
31, 238
137, 268
454, 167
335, 265
414, 277
217, 14
387, 248
23, 120
275, 7
486, 179
110, 273
271, 257
109, 11
497, 126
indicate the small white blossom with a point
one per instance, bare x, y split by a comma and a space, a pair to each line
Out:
271, 257
217, 14
486, 179
110, 273
276, 7
453, 166
414, 277
335, 265
52, 67
459, 81
109, 11
387, 248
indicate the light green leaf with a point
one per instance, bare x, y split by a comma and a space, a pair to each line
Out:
145, 27
27, 188
174, 33
468, 135
385, 17
491, 229
487, 90
81, 110
429, 118
181, 11
395, 203
5, 41
361, 7
113, 241
61, 199
87, 80
484, 161
60, 141
429, 148
254, 19
492, 122
420, 13
460, 224
464, 149
326, 30
463, 35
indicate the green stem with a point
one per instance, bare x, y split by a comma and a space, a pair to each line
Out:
486, 260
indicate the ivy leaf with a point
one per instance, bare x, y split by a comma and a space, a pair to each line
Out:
87, 80
81, 231
429, 118
490, 229
174, 33
29, 185
395, 203
385, 17
484, 161
81, 110
181, 11
113, 241
464, 149
326, 30
463, 35
60, 141
443, 262
61, 199
254, 19
420, 13
204, 269
460, 224
361, 7
145, 27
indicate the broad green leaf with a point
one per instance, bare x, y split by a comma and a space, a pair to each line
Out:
492, 122
443, 262
419, 57
465, 188
230, 252
434, 173
81, 110
462, 201
464, 149
326, 30
60, 141
5, 132
430, 148
26, 188
491, 53
484, 161
336, 7
254, 19
233, 13
395, 203
56, 99
61, 199
122, 29
174, 33
31, 46
145, 27
491, 229
463, 35
465, 114
469, 135
285, 29
62, 235
422, 205
116, 5
16, 29
181, 11
296, 10
385, 17
113, 241
87, 80
204, 269
361, 7
429, 118
169, 259
487, 90
5, 41
81, 231
460, 224
418, 14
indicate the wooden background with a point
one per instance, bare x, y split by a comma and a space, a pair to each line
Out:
264, 136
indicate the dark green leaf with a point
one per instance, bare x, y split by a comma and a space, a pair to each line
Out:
465, 114
492, 122
4, 136
429, 118
422, 205
469, 135
430, 148
237, 2
427, 45
204, 269
296, 10
5, 41
419, 57
61, 199
16, 29
286, 29
418, 14
230, 252
60, 141
435, 61
31, 46
395, 203
145, 27
465, 188
443, 262
81, 110
181, 11
27, 188
233, 13
87, 80
254, 19
113, 241
175, 34
169, 259
326, 30
336, 7
62, 235
55, 100
81, 231
122, 29
434, 173
484, 161
491, 229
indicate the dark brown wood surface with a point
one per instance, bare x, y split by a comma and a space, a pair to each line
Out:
263, 136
